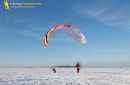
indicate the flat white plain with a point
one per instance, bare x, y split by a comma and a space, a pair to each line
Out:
64, 76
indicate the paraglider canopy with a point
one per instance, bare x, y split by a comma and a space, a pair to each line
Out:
72, 30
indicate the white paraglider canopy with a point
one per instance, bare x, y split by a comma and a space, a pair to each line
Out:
70, 29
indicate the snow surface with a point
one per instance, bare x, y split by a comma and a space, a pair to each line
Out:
64, 76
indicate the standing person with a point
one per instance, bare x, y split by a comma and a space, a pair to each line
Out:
78, 67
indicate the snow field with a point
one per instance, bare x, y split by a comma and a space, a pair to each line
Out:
64, 76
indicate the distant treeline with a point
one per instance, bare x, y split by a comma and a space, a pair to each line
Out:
64, 66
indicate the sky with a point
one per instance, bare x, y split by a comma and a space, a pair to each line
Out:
104, 23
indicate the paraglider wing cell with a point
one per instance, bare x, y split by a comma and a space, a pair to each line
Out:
48, 34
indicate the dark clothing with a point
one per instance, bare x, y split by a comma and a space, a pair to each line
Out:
54, 70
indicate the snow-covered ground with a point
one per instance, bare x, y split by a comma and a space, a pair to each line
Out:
64, 76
